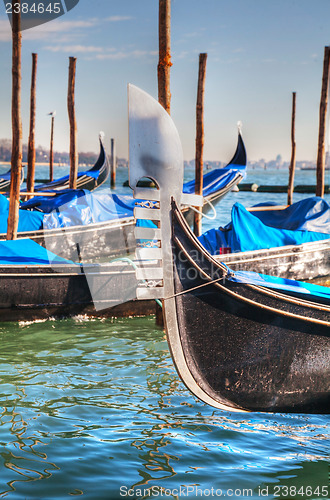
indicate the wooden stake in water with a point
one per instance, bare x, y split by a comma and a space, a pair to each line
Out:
73, 125
164, 64
199, 139
16, 155
113, 164
31, 145
293, 150
51, 147
320, 164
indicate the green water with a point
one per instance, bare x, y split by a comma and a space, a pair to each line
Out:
90, 407
94, 408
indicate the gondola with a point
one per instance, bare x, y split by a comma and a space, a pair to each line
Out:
102, 223
240, 341
219, 181
113, 235
90, 179
5, 180
36, 284
293, 242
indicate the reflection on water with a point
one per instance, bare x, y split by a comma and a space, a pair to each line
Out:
88, 407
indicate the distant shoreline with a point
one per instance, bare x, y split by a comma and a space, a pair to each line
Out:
44, 164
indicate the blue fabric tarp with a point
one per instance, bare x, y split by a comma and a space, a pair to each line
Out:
281, 284
27, 252
48, 203
311, 214
247, 232
90, 209
90, 173
6, 175
81, 207
216, 179
28, 221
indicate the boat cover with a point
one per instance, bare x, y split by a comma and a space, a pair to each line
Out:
281, 284
89, 209
310, 214
81, 207
48, 203
27, 252
90, 173
6, 176
216, 179
247, 232
28, 221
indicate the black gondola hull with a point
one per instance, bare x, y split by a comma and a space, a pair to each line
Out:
99, 174
248, 348
97, 242
41, 292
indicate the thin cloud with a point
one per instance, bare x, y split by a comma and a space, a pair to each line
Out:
134, 54
70, 29
5, 30
44, 31
75, 48
115, 19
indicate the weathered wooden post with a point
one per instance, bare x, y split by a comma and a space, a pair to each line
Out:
164, 64
199, 139
31, 145
73, 124
16, 155
113, 164
320, 164
293, 150
163, 73
51, 147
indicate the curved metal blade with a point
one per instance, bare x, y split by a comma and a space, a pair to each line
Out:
155, 149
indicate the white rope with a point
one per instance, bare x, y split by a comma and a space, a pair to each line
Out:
204, 215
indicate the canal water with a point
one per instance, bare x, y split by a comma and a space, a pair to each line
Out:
95, 409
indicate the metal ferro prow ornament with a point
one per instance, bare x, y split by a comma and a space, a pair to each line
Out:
155, 153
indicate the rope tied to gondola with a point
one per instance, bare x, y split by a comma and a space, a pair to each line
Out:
202, 213
222, 278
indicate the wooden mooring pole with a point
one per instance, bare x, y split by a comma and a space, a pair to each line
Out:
320, 164
113, 164
293, 150
199, 139
16, 155
164, 64
51, 147
163, 74
31, 145
73, 124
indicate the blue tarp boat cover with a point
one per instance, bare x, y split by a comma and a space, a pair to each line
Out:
281, 284
81, 207
28, 221
216, 179
6, 176
89, 209
90, 173
27, 252
311, 214
48, 203
247, 231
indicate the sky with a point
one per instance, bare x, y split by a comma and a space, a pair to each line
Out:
259, 52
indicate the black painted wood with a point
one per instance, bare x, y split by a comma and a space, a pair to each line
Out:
241, 353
